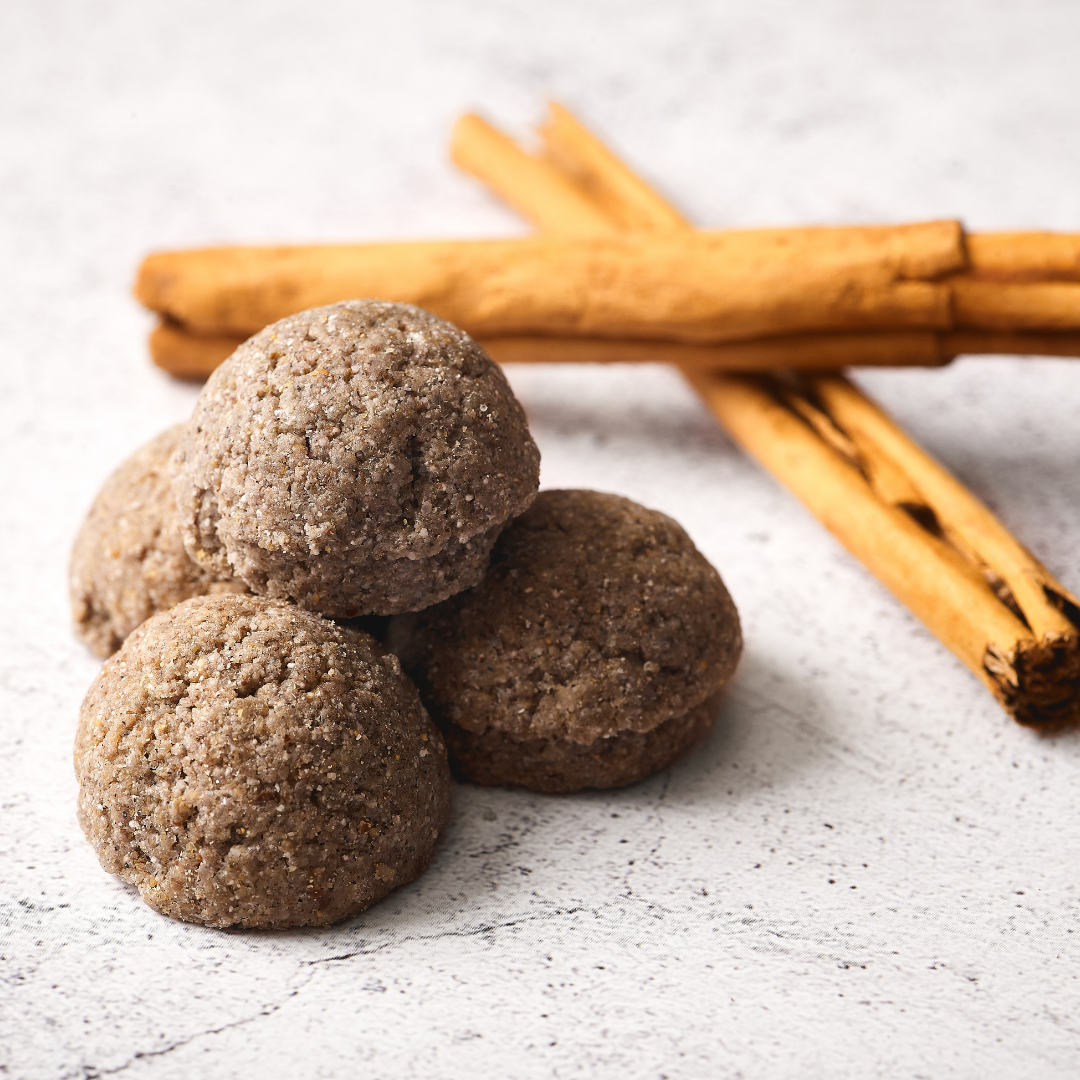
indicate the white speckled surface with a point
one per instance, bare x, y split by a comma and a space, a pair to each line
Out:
869, 871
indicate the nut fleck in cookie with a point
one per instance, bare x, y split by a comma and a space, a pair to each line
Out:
589, 656
357, 458
247, 763
129, 561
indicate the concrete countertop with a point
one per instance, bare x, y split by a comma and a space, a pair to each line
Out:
870, 870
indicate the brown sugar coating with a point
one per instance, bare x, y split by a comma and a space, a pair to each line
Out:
599, 634
358, 458
129, 561
246, 763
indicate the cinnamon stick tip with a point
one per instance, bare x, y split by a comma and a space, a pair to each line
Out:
555, 111
1038, 682
467, 120
153, 280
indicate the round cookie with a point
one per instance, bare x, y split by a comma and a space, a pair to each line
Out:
589, 656
358, 458
129, 561
246, 763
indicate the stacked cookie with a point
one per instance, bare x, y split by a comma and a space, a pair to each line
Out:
243, 759
589, 656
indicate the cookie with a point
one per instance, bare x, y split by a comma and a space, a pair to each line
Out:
129, 562
246, 763
358, 458
589, 656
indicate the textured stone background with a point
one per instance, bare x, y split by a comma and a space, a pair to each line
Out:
870, 871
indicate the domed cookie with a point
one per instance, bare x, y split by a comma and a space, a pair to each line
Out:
358, 458
246, 763
589, 656
129, 561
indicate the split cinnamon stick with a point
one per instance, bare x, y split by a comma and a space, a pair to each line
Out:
937, 548
915, 527
884, 450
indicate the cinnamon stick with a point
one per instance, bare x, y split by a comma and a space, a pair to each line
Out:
698, 288
808, 352
572, 147
542, 197
883, 449
976, 343
1016, 306
1024, 256
944, 556
662, 283
190, 356
916, 528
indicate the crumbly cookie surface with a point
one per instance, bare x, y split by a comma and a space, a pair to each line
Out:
357, 458
246, 763
128, 561
597, 617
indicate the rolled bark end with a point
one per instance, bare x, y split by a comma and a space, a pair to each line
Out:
1038, 682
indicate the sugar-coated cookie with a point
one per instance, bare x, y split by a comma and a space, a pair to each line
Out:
129, 562
358, 458
247, 763
589, 656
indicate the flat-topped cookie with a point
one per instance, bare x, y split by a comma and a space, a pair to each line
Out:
589, 656
247, 763
129, 562
358, 458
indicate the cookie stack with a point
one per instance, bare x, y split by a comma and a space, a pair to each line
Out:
252, 757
